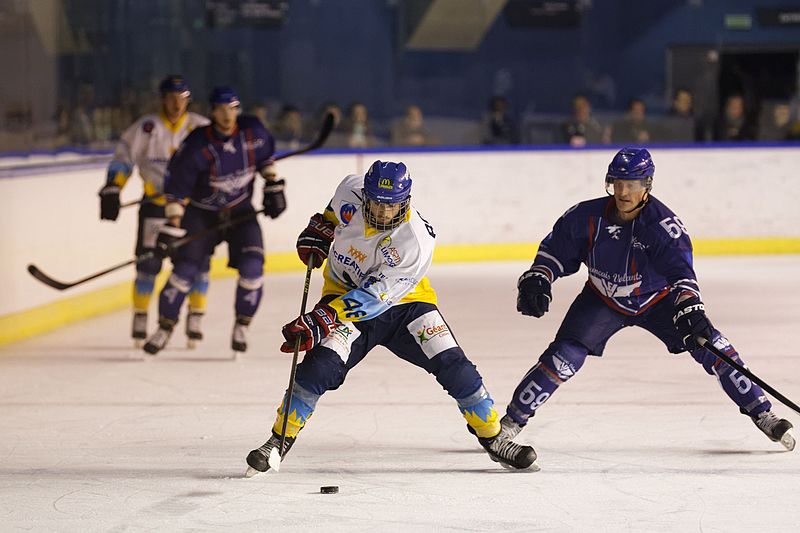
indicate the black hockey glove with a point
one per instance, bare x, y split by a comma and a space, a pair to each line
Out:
109, 202
274, 199
691, 322
314, 242
534, 293
165, 243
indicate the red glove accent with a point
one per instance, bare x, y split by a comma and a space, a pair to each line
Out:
311, 328
314, 242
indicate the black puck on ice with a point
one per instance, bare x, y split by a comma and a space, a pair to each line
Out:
330, 489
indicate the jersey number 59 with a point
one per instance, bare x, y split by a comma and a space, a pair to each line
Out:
674, 227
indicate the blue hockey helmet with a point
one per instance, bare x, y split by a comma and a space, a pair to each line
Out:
389, 184
631, 164
174, 84
223, 94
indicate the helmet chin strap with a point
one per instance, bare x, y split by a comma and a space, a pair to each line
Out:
641, 203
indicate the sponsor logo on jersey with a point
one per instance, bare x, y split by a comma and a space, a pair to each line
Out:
385, 183
431, 333
370, 281
390, 254
346, 213
252, 145
148, 126
233, 183
356, 254
614, 231
637, 244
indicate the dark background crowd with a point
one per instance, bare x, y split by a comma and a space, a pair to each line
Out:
401, 73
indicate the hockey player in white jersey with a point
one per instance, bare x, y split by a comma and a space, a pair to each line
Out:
379, 249
149, 144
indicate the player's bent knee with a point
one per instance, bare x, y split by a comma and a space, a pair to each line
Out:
251, 264
321, 370
149, 267
563, 359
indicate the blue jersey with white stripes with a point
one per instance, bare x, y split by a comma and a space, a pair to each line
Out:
216, 172
631, 265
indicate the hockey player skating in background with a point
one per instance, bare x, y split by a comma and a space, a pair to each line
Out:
149, 143
376, 293
214, 169
639, 257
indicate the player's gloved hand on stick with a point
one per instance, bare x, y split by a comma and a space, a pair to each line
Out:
314, 242
311, 328
109, 202
691, 321
274, 199
534, 295
167, 235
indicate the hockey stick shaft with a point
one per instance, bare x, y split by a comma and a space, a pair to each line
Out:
293, 372
60, 285
745, 371
322, 136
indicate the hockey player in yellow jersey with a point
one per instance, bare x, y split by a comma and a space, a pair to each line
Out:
379, 249
149, 144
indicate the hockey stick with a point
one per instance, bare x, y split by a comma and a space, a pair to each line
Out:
274, 459
743, 370
322, 136
60, 285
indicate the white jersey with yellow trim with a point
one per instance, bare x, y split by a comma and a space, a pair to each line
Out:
149, 144
368, 270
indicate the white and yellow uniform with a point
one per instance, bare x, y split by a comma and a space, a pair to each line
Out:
368, 271
149, 144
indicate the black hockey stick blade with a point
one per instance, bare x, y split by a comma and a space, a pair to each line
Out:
322, 136
60, 285
745, 371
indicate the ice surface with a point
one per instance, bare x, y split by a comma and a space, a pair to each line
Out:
94, 438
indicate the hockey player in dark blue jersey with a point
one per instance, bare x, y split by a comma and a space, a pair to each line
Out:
210, 180
639, 257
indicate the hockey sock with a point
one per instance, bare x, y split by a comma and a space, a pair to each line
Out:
142, 291
301, 409
478, 410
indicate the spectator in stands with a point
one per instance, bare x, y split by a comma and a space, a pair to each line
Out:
359, 134
682, 125
775, 122
633, 128
81, 129
410, 129
260, 111
582, 129
497, 126
288, 131
734, 124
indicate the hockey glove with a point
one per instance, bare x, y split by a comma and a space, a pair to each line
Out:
314, 242
109, 202
310, 328
534, 293
691, 322
167, 235
274, 199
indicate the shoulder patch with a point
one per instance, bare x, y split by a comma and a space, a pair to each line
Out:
346, 212
147, 126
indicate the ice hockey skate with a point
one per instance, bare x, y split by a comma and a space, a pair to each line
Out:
139, 330
258, 459
777, 429
502, 449
239, 336
159, 339
193, 329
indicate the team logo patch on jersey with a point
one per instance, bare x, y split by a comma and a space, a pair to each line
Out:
341, 339
148, 126
431, 333
346, 213
614, 231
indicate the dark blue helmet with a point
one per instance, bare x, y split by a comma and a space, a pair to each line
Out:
174, 84
631, 164
387, 183
222, 94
